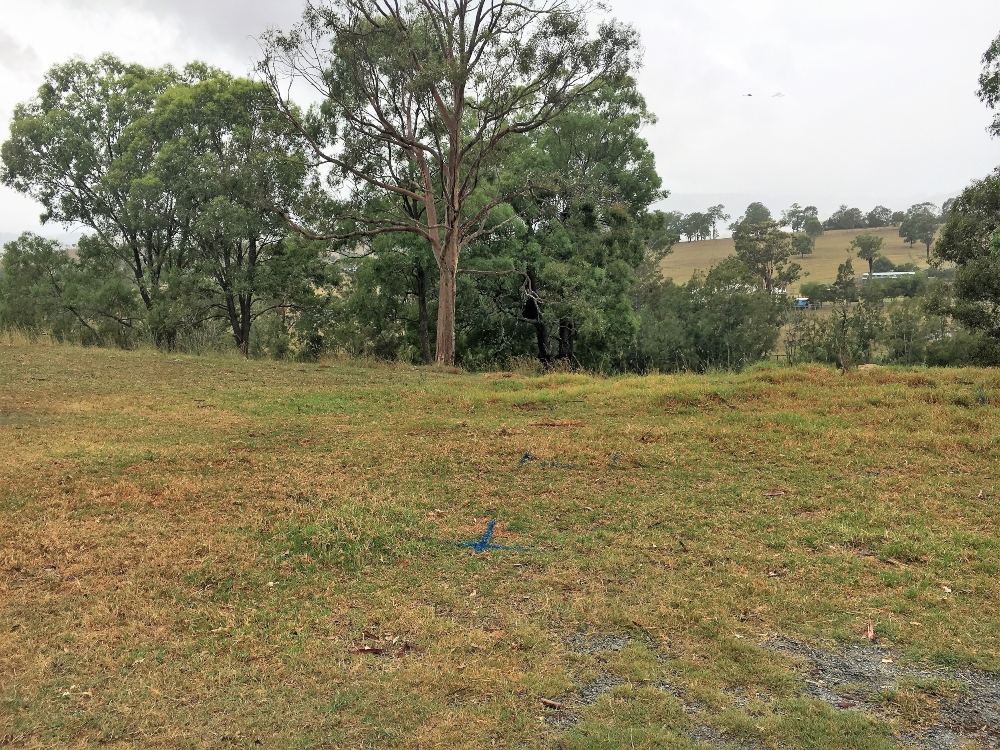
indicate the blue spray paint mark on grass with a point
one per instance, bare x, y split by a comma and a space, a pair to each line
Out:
485, 542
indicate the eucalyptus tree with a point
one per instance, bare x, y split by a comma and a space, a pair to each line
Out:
920, 224
586, 230
766, 251
971, 240
227, 160
421, 102
83, 147
868, 247
989, 83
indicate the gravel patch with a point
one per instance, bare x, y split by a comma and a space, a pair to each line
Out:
852, 678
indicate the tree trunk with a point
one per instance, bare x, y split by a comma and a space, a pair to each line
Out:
533, 313
236, 323
447, 294
567, 332
424, 326
246, 323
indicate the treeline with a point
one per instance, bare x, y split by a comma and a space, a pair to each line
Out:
478, 196
919, 223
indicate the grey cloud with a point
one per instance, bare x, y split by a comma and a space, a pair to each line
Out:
16, 57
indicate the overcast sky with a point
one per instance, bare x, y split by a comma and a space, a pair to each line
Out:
877, 97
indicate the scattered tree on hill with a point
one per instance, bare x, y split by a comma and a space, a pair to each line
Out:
868, 247
813, 228
897, 218
878, 217
765, 250
845, 218
989, 83
717, 214
921, 225
803, 245
422, 103
756, 213
796, 217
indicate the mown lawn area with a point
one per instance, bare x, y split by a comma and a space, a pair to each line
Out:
211, 553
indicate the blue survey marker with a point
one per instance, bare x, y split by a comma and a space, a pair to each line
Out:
485, 542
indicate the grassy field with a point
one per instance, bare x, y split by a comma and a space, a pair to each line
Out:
832, 249
212, 553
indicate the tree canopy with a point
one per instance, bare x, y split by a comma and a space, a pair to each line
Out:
421, 105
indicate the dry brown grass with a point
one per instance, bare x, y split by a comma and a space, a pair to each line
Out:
201, 553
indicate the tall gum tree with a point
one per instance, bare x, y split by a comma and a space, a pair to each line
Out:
421, 102
83, 148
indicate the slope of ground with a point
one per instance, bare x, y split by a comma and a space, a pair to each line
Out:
203, 553
832, 249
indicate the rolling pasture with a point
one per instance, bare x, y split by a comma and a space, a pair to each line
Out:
832, 249
211, 553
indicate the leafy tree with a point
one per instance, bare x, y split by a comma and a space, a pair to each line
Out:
813, 227
585, 236
971, 240
989, 82
765, 250
803, 245
796, 217
84, 148
845, 218
878, 217
921, 224
717, 321
817, 292
420, 104
227, 158
897, 218
44, 289
868, 247
756, 213
716, 215
845, 287
698, 226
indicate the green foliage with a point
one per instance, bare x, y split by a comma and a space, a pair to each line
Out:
803, 245
989, 83
84, 148
45, 290
180, 178
846, 218
765, 251
845, 338
720, 321
424, 108
920, 224
878, 217
868, 247
971, 240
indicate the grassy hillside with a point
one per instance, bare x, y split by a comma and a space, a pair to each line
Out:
831, 250
206, 553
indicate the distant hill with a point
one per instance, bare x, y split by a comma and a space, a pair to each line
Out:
831, 250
